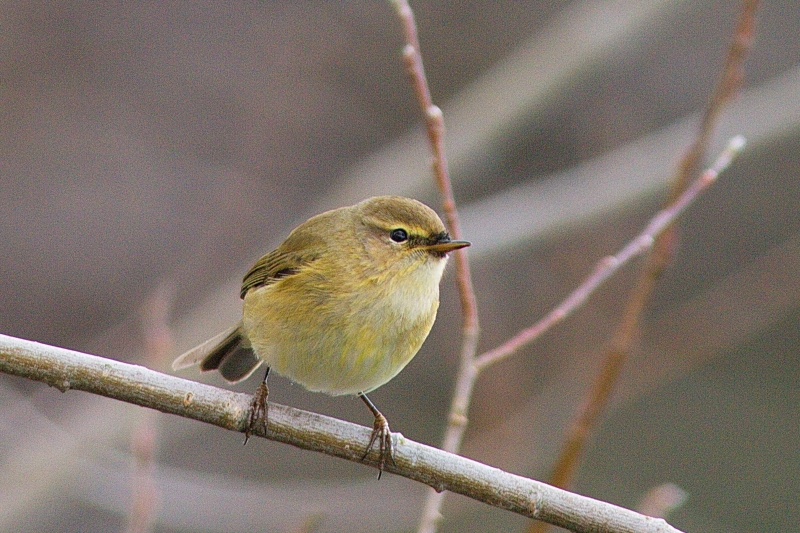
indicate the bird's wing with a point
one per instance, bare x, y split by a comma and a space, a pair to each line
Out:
298, 250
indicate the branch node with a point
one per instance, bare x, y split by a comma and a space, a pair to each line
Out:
646, 242
458, 419
435, 112
609, 261
536, 505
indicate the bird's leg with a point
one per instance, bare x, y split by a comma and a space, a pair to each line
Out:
380, 434
258, 409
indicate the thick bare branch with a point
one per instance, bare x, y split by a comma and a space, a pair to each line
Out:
67, 369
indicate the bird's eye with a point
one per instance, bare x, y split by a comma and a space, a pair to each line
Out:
399, 235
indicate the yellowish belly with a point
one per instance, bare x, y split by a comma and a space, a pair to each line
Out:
342, 347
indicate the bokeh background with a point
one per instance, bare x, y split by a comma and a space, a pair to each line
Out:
151, 152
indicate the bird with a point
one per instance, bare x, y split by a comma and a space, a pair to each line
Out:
340, 307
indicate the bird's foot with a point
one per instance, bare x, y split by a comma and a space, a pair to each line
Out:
258, 412
380, 434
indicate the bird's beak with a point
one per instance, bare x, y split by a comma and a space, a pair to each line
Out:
446, 245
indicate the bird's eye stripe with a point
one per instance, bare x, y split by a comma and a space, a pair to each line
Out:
399, 235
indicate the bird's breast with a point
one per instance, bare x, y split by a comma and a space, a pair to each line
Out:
343, 338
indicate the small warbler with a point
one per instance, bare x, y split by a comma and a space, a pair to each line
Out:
341, 306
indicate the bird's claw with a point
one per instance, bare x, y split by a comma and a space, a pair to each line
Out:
258, 412
383, 436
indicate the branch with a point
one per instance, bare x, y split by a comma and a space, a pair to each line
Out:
661, 254
67, 369
467, 374
610, 265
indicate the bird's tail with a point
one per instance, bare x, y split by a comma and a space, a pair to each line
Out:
229, 353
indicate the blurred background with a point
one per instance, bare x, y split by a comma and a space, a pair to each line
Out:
151, 152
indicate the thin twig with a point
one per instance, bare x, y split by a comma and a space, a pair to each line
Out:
158, 342
660, 256
466, 376
145, 495
67, 369
611, 264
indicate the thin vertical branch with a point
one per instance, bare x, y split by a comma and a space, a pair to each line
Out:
434, 122
158, 345
145, 495
467, 372
660, 256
